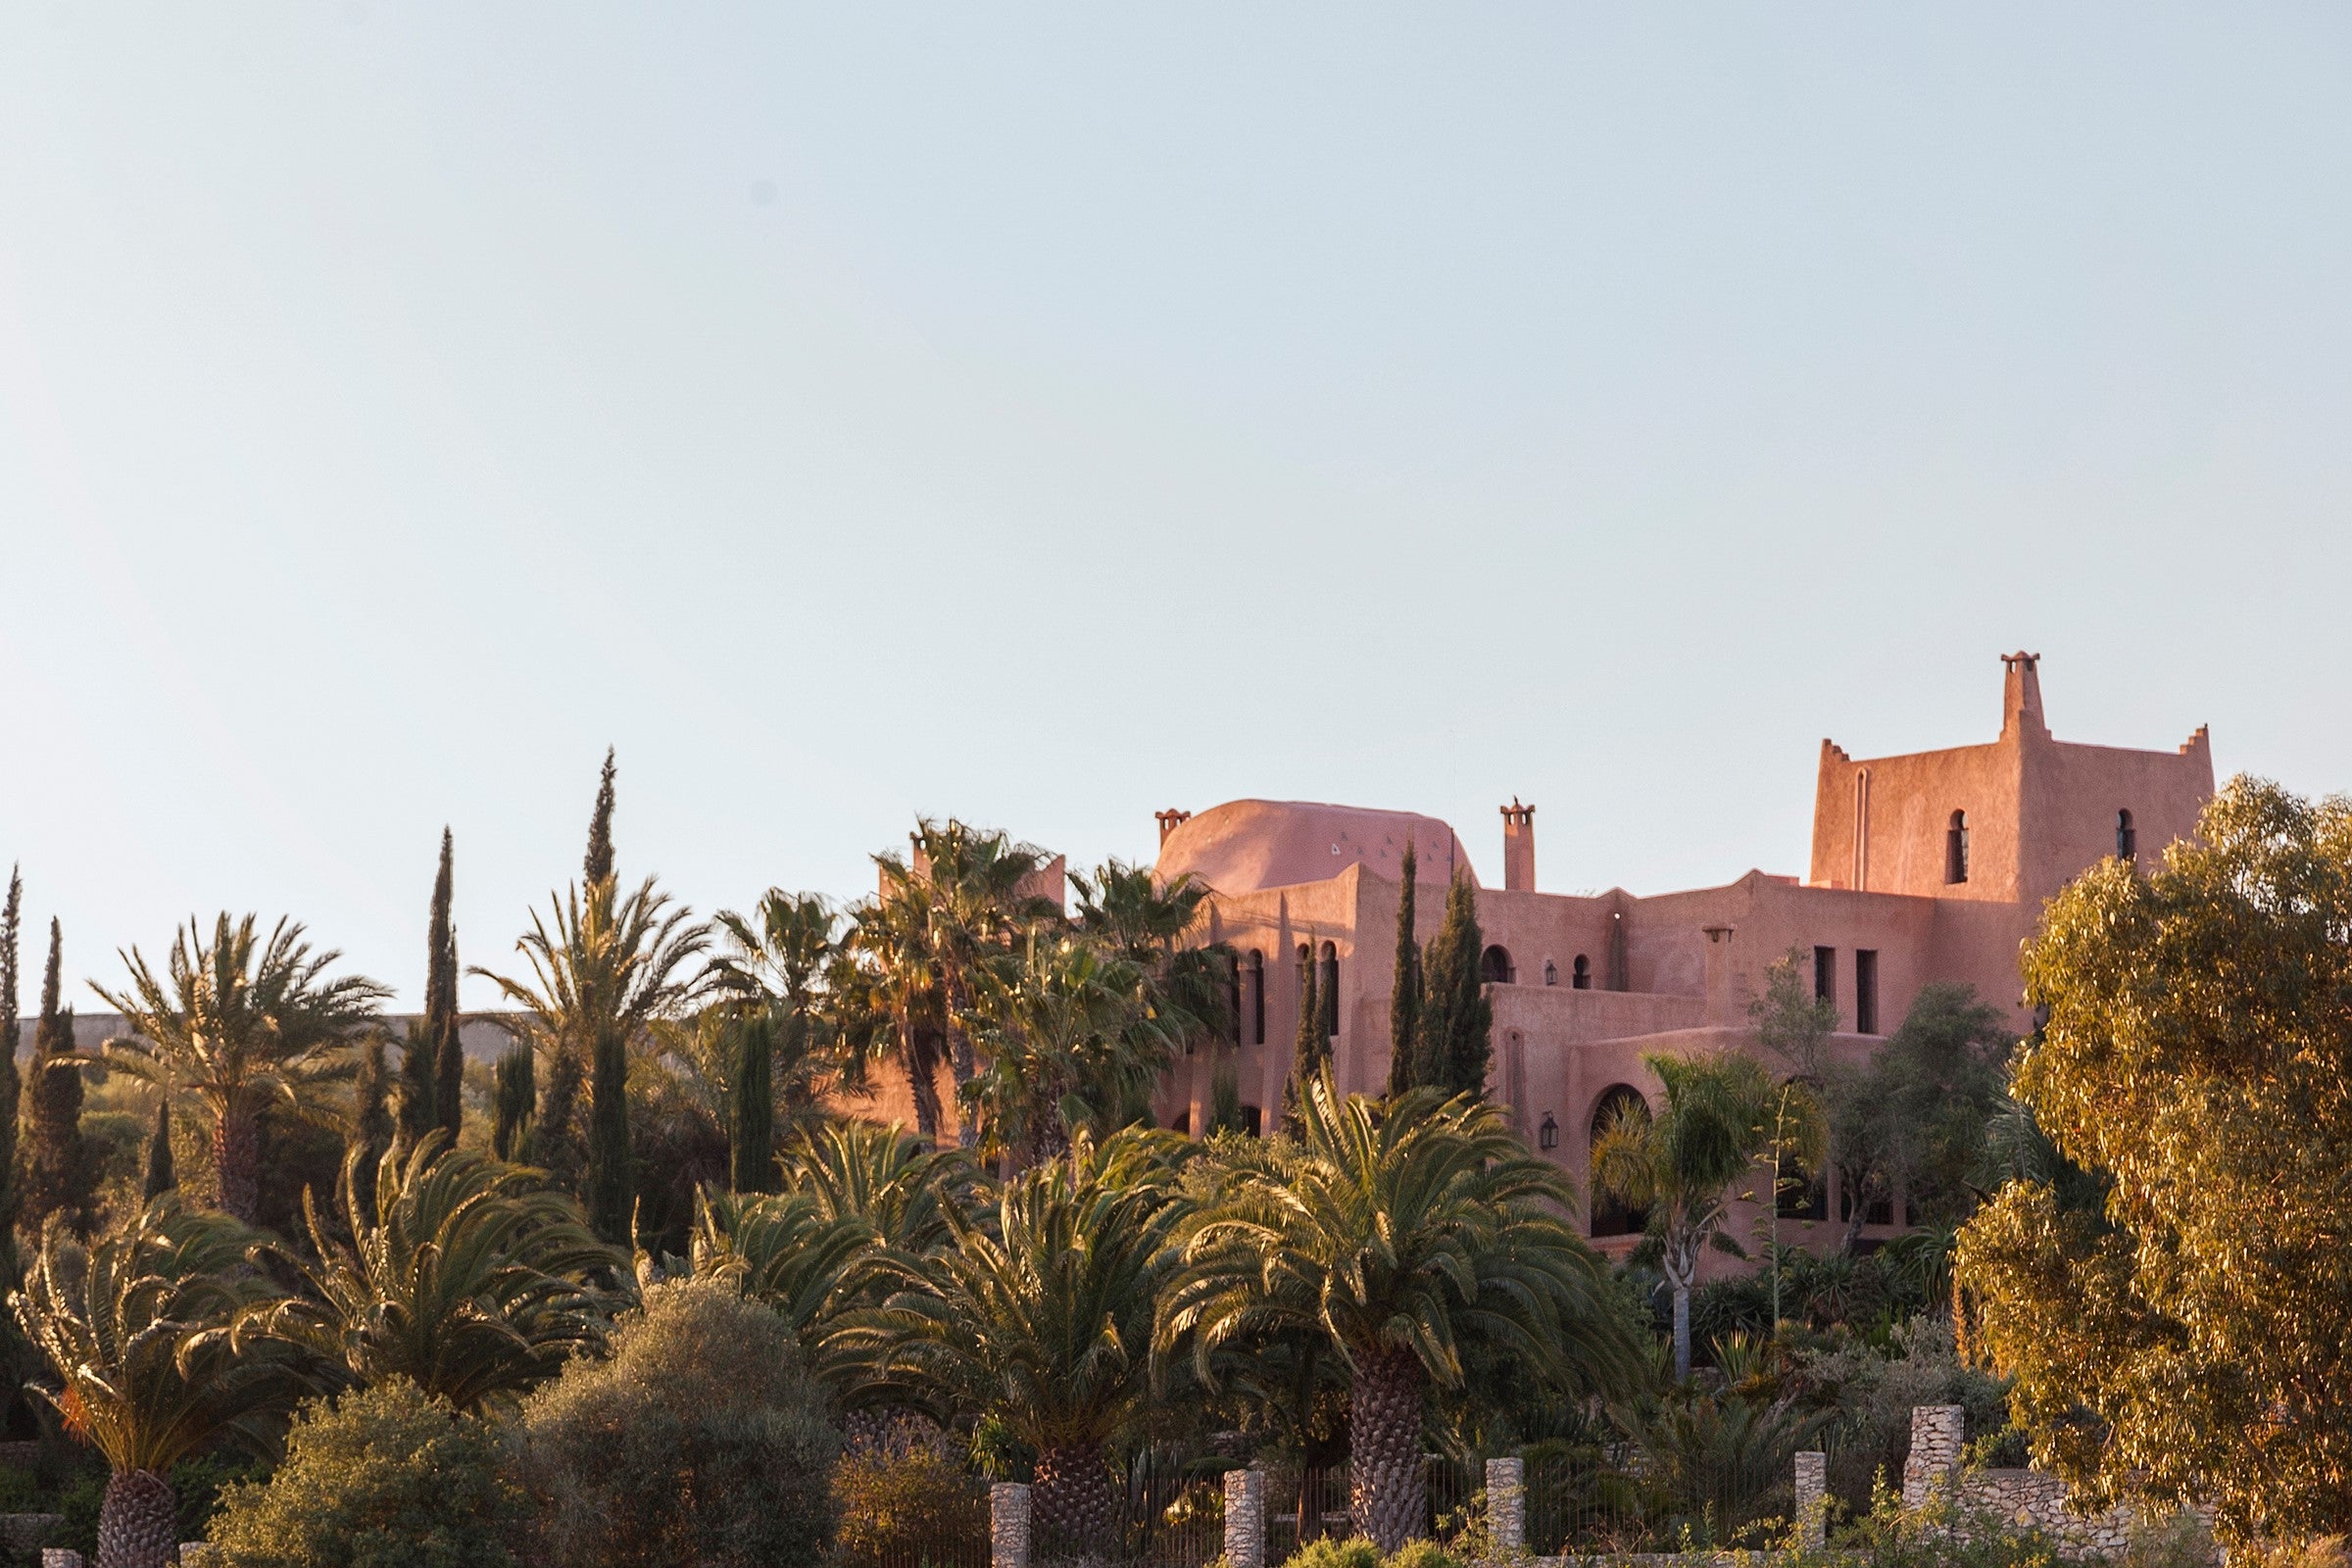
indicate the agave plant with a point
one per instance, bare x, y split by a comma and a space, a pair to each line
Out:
138, 1332
466, 1276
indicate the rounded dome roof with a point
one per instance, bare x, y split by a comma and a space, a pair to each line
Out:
1243, 846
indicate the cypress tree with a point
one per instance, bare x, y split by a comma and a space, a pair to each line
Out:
417, 1074
11, 1086
160, 1176
59, 1179
441, 1019
556, 1131
512, 1103
752, 1109
599, 861
1225, 1102
608, 1137
1311, 1053
1404, 996
372, 1130
1453, 1051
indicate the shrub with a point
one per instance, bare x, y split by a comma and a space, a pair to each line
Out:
700, 1439
911, 1506
1422, 1554
1329, 1551
383, 1477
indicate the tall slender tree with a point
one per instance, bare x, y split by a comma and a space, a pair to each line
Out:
416, 1083
752, 1105
160, 1177
1404, 995
57, 1176
441, 1021
371, 1130
596, 865
1310, 1052
1457, 1019
11, 1088
514, 1100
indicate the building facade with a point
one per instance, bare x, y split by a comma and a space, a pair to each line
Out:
1926, 867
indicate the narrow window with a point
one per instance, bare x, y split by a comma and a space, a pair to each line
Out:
1579, 978
1551, 973
1249, 1120
1955, 848
1495, 967
1183, 1121
1825, 974
1866, 991
1257, 996
1327, 994
2127, 838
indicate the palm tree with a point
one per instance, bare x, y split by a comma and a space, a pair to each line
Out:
1392, 1232
466, 1276
601, 972
962, 897
1126, 909
1680, 1164
138, 1334
1043, 1320
241, 1026
900, 1185
891, 985
1072, 1043
783, 1250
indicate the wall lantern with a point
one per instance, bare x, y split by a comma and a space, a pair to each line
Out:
1547, 1135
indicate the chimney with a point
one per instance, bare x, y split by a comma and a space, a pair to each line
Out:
1518, 848
2021, 696
1721, 1008
1170, 821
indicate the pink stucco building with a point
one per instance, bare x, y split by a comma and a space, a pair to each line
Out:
1925, 867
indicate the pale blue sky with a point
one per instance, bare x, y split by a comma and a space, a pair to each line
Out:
1051, 415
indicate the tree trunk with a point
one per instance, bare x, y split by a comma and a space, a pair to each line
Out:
959, 1057
1682, 1266
237, 1162
1076, 1512
138, 1522
923, 1080
1386, 1491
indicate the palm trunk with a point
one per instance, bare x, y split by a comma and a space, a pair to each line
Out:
1077, 1513
1681, 1266
237, 1160
923, 1079
960, 1055
138, 1522
1386, 1491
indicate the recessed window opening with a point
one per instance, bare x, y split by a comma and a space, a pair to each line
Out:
1256, 979
1495, 967
1825, 974
2127, 838
1580, 977
1866, 991
1328, 993
1955, 848
1611, 1214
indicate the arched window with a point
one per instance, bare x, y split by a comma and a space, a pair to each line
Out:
2127, 837
1328, 993
1495, 965
1551, 973
1955, 848
1579, 978
1611, 1214
1254, 982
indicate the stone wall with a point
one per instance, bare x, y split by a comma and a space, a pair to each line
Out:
2024, 1498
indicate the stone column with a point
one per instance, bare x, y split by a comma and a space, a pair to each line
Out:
1506, 1505
195, 1555
1812, 1499
60, 1557
1246, 1518
1937, 1432
1007, 1525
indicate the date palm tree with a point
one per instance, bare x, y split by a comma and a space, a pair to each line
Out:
892, 987
1680, 1164
1392, 1232
466, 1276
138, 1332
1072, 1042
1042, 1320
604, 966
963, 895
898, 1185
241, 1026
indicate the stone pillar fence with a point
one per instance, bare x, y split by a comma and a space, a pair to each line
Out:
1938, 1439
1007, 1525
1506, 1505
1246, 1518
1812, 1498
